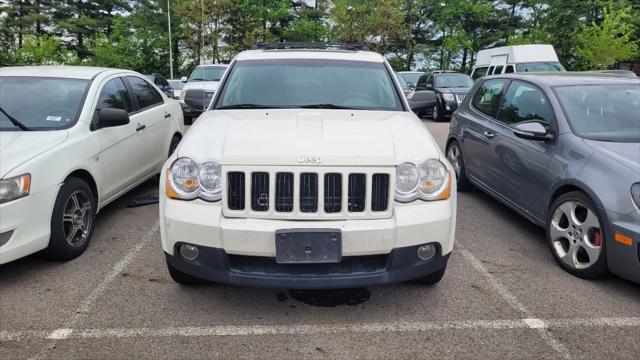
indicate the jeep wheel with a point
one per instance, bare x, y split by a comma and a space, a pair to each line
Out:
436, 114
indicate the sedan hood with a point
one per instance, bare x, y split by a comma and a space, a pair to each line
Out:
308, 137
17, 147
627, 154
208, 86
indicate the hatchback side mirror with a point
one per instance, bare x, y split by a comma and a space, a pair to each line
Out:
184, 79
109, 117
532, 131
196, 99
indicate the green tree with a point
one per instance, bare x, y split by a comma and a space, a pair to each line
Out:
601, 45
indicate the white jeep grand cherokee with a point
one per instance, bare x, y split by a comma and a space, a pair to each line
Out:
307, 171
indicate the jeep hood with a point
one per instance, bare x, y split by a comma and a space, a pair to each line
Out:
207, 86
308, 137
17, 147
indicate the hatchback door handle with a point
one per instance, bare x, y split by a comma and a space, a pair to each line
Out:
140, 127
489, 135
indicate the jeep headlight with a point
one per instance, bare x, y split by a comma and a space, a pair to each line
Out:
448, 97
183, 93
14, 188
188, 180
428, 181
635, 193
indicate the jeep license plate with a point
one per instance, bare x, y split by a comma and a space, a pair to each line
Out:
308, 246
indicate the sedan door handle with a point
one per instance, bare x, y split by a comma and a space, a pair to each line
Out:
167, 115
489, 135
141, 127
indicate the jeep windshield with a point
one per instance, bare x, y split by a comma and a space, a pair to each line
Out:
454, 81
208, 73
305, 83
39, 103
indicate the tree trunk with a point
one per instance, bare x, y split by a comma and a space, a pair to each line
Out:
513, 11
463, 66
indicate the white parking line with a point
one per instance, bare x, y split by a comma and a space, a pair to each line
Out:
259, 330
85, 306
531, 321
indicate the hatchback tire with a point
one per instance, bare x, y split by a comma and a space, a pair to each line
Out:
183, 278
576, 235
454, 155
72, 221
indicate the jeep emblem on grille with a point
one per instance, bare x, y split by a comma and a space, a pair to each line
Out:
316, 160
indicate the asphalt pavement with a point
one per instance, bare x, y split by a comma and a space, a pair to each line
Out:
502, 297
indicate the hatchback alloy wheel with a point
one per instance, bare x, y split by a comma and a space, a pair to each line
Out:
453, 155
576, 235
77, 219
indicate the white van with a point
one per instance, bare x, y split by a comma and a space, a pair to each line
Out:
516, 58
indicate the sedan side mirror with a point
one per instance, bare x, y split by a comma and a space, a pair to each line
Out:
109, 117
196, 99
184, 79
532, 131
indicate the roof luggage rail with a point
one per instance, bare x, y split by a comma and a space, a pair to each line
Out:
309, 45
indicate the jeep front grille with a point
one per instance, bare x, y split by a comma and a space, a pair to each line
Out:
460, 98
297, 193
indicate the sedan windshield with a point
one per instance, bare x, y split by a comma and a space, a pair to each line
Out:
207, 73
454, 81
603, 112
539, 67
39, 103
305, 83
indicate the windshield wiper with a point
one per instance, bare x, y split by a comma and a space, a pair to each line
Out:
246, 106
15, 121
326, 106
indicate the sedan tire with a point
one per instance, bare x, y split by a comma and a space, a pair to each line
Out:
576, 235
72, 221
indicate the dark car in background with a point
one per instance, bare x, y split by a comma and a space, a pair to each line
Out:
161, 83
563, 150
450, 89
406, 89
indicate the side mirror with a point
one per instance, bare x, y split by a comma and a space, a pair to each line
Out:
184, 79
109, 117
532, 131
196, 99
411, 85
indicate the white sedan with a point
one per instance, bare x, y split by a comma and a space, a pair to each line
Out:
72, 140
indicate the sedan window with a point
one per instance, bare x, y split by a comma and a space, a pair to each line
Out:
524, 102
487, 97
145, 93
114, 96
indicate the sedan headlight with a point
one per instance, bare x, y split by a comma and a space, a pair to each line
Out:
448, 97
635, 194
14, 188
428, 181
188, 180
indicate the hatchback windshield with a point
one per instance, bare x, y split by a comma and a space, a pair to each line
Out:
539, 67
454, 81
304, 83
207, 73
38, 103
603, 112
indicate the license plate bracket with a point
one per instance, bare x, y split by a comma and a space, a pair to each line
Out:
308, 246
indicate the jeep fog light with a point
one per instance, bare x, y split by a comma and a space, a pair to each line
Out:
426, 252
189, 252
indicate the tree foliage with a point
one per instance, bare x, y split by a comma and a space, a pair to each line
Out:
412, 34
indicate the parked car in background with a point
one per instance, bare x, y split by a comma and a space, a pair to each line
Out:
563, 150
177, 86
516, 59
72, 140
206, 77
450, 89
307, 171
406, 89
411, 77
162, 84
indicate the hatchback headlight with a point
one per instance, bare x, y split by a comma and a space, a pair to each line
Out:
428, 181
188, 180
448, 97
635, 194
14, 188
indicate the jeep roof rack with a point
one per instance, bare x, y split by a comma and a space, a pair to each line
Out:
309, 45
